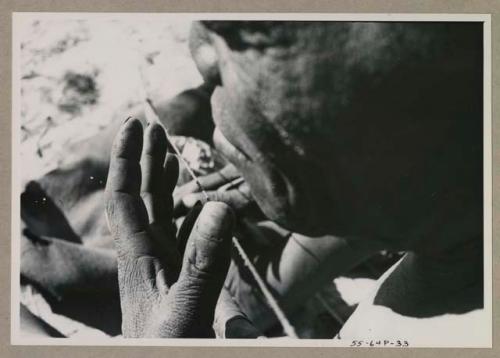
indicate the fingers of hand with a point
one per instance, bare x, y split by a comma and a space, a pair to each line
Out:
238, 198
153, 157
211, 181
205, 265
124, 173
170, 173
219, 178
124, 208
127, 215
187, 227
208, 247
128, 219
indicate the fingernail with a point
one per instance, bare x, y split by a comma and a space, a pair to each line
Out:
215, 221
210, 251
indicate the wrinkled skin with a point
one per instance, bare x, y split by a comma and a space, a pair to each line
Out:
369, 112
370, 131
162, 294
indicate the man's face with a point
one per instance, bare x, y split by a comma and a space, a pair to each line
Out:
333, 127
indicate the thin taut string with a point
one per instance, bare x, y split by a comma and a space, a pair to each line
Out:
152, 116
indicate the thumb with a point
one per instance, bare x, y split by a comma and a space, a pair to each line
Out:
206, 261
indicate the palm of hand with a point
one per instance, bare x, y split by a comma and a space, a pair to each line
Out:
164, 292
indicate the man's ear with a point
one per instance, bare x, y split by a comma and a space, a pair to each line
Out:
204, 54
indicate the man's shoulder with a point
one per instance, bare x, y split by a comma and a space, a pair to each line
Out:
376, 319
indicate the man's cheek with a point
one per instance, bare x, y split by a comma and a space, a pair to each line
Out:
267, 185
278, 186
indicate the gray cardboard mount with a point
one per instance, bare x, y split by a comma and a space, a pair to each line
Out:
339, 6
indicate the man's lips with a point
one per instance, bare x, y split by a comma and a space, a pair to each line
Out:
228, 150
275, 194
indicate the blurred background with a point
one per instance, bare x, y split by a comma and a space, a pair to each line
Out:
78, 75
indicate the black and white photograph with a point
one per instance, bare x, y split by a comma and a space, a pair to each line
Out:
251, 180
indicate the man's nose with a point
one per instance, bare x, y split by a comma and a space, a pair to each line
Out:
228, 150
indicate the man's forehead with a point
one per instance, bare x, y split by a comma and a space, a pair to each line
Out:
330, 35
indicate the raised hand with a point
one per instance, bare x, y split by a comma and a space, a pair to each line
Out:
164, 292
226, 185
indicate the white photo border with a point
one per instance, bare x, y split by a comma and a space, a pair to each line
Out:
19, 17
